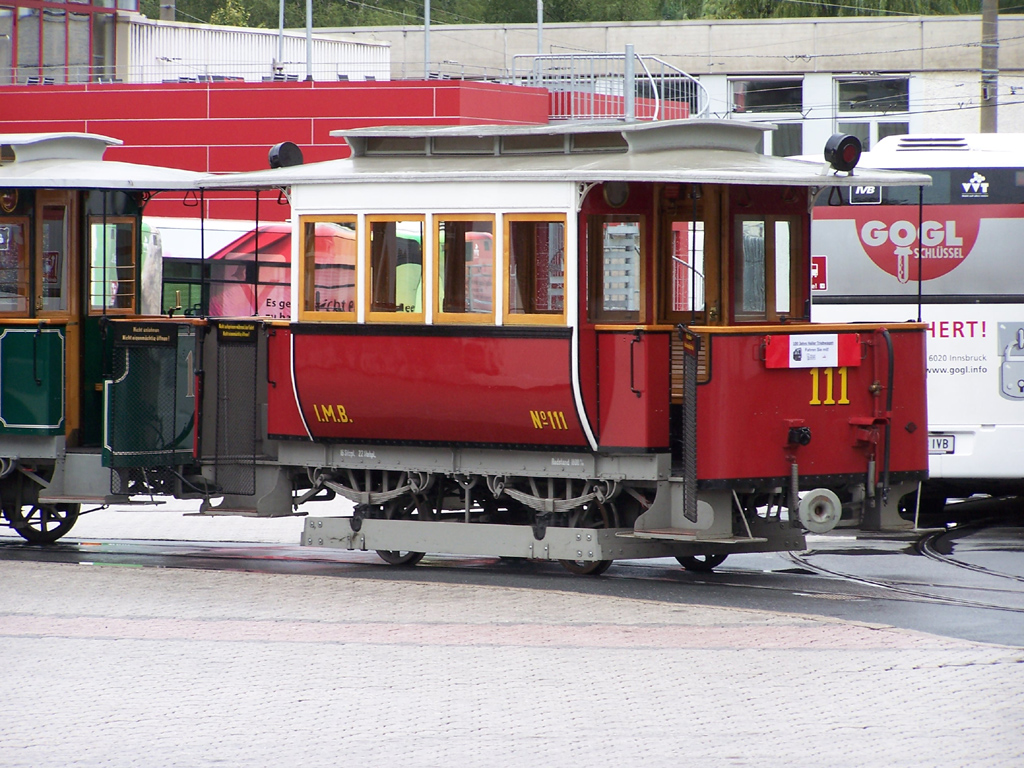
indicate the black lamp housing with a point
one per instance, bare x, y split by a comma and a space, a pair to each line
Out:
842, 152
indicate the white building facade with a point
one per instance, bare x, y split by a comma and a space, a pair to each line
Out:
872, 77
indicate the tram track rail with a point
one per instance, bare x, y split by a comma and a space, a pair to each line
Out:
926, 545
923, 591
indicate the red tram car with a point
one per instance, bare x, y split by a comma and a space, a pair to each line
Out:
580, 343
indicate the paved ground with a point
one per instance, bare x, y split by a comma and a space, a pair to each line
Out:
168, 667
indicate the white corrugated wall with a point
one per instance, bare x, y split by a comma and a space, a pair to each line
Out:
161, 52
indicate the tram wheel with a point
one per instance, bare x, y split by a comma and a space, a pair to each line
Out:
701, 563
397, 557
586, 567
43, 523
592, 515
408, 508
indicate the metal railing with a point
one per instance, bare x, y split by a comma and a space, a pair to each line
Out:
605, 86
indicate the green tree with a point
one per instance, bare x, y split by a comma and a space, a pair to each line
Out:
351, 13
231, 14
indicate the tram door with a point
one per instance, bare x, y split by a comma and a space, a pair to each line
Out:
55, 300
632, 354
689, 293
110, 291
83, 275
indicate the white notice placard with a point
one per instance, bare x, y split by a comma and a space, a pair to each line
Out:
814, 350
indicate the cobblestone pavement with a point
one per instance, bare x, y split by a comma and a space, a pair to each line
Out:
129, 666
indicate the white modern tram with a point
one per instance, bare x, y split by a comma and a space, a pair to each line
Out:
949, 255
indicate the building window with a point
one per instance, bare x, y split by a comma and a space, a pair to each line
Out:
892, 129
6, 45
767, 95
58, 43
27, 35
788, 140
861, 130
874, 94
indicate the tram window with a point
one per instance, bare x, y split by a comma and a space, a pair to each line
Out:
465, 267
53, 274
328, 250
763, 268
782, 267
751, 267
111, 264
535, 248
395, 251
14, 287
687, 248
616, 268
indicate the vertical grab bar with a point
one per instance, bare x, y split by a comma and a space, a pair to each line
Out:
35, 354
637, 334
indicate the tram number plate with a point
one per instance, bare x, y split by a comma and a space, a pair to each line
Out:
941, 443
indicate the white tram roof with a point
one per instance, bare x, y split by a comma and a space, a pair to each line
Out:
931, 150
75, 161
678, 151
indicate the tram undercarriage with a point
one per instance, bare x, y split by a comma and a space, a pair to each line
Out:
463, 509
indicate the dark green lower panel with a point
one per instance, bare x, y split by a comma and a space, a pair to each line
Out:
31, 380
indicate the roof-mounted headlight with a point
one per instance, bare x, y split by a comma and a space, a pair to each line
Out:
842, 152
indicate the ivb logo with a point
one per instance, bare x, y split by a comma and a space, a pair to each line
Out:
975, 187
865, 195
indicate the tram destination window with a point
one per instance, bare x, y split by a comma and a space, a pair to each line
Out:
535, 248
112, 273
616, 267
14, 287
465, 263
328, 267
395, 250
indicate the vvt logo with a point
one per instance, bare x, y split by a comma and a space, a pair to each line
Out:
976, 186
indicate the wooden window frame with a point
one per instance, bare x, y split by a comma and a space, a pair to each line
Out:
771, 313
25, 266
595, 272
72, 254
515, 318
479, 318
307, 276
136, 266
381, 316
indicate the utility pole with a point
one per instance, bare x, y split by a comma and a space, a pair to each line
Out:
426, 39
988, 120
540, 27
309, 40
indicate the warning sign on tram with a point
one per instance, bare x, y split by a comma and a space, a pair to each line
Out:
235, 332
812, 350
144, 334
